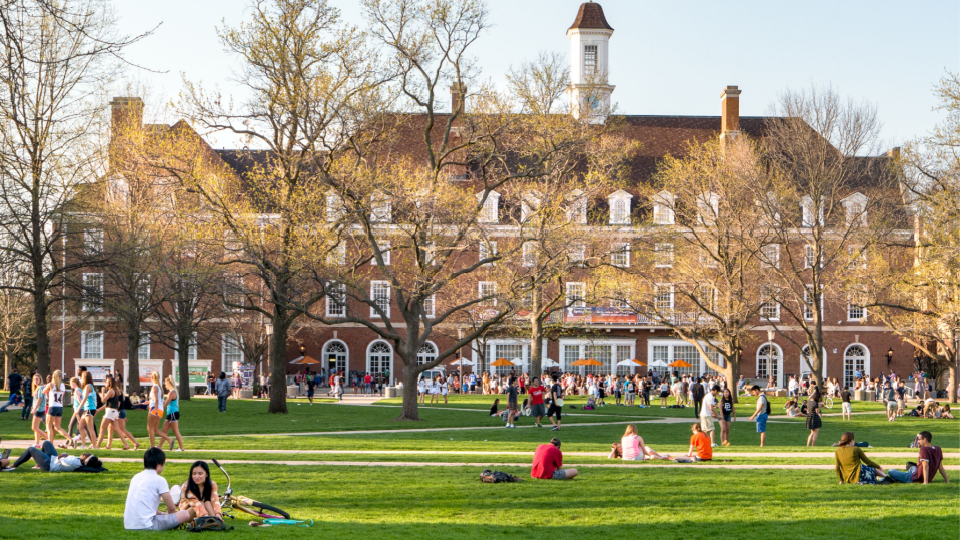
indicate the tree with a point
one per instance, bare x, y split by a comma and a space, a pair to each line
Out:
16, 325
312, 86
921, 301
697, 265
55, 58
826, 202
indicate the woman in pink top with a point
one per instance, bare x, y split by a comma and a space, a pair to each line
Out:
631, 447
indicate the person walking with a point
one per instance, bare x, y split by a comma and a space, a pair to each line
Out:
556, 406
210, 382
814, 422
761, 414
311, 386
537, 393
155, 409
727, 410
171, 407
39, 410
707, 414
846, 409
27, 390
698, 392
223, 392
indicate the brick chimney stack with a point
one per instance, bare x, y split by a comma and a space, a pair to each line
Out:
126, 128
729, 113
457, 95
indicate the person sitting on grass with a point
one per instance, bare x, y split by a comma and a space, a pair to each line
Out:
944, 412
199, 492
147, 489
791, 407
700, 448
48, 460
930, 462
852, 465
547, 460
632, 448
494, 409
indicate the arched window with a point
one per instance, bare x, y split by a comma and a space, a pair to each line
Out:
856, 359
337, 351
379, 357
770, 363
427, 353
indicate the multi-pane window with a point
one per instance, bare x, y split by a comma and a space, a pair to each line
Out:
232, 352
808, 210
771, 256
92, 242
809, 256
490, 212
663, 298
706, 259
380, 295
854, 360
336, 299
661, 353
708, 208
426, 354
233, 294
141, 289
689, 354
578, 253
857, 258
620, 256
663, 255
487, 291
335, 208
338, 255
576, 295
143, 351
770, 307
488, 250
706, 297
600, 353
529, 254
384, 246
192, 350
619, 211
91, 345
430, 306
808, 303
768, 362
589, 59
856, 312
380, 208
663, 213
379, 358
92, 292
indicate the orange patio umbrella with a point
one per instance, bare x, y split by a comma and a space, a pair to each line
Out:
679, 363
639, 363
587, 362
305, 360
503, 362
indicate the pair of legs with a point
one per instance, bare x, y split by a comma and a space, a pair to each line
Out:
41, 455
222, 403
38, 434
423, 396
153, 428
812, 438
53, 427
120, 425
847, 411
27, 405
565, 474
173, 424
725, 432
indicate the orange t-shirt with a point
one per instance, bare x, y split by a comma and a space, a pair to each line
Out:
702, 444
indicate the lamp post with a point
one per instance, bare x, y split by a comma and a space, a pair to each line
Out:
889, 356
770, 335
268, 330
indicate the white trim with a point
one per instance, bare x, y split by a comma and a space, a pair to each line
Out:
324, 361
581, 343
157, 366
367, 357
373, 298
94, 362
224, 363
866, 362
779, 350
174, 368
702, 367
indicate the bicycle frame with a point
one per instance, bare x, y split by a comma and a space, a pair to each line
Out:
229, 501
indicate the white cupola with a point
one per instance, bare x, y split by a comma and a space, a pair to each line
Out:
589, 89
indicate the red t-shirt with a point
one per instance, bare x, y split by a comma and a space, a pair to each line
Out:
367, 378
934, 456
546, 460
702, 443
536, 395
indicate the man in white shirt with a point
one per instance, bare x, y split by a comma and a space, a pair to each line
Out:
147, 489
792, 386
708, 412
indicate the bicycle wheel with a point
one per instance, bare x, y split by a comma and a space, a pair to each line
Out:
265, 511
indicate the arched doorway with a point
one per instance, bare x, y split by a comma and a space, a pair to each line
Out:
379, 357
770, 363
336, 350
855, 358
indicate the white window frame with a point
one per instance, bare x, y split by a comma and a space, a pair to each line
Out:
578, 253
336, 299
91, 304
232, 346
430, 306
582, 344
484, 251
619, 203
771, 256
591, 58
776, 308
490, 213
86, 337
573, 299
663, 211
851, 311
144, 342
381, 208
335, 208
778, 351
92, 242
808, 303
577, 211
338, 255
529, 254
385, 248
481, 292
866, 363
661, 289
809, 256
806, 206
663, 255
708, 201
671, 355
855, 209
620, 255
384, 290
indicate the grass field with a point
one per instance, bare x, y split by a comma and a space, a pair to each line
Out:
680, 501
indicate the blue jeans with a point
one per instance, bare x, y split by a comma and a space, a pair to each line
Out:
222, 403
905, 477
27, 405
9, 403
41, 456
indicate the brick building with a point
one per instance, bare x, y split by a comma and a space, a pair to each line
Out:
854, 343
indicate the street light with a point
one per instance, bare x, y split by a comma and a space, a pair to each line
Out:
889, 355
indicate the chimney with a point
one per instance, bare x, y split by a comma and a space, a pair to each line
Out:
458, 93
126, 126
729, 113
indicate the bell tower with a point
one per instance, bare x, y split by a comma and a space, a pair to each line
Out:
589, 89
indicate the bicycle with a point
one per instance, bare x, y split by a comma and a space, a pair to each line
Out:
229, 501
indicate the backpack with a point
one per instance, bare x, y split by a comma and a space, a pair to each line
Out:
496, 477
767, 412
207, 523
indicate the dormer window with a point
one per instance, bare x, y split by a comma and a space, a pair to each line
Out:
491, 207
855, 207
577, 211
529, 205
619, 207
380, 208
335, 209
708, 208
663, 211
807, 207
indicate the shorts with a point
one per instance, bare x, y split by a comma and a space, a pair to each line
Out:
55, 411
629, 395
164, 522
512, 406
309, 393
88, 412
173, 417
538, 410
111, 414
706, 422
156, 412
664, 394
846, 407
762, 423
41, 414
123, 414
726, 418
559, 474
891, 405
555, 410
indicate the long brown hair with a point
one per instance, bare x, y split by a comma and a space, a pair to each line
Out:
631, 430
86, 378
846, 438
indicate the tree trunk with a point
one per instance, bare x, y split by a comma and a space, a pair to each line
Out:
133, 360
536, 346
409, 411
952, 377
278, 363
183, 364
43, 339
7, 364
732, 374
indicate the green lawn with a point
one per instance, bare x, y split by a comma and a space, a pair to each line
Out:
451, 503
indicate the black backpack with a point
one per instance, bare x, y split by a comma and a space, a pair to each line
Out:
768, 405
207, 523
496, 477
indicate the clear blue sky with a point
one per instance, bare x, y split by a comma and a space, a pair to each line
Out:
667, 57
